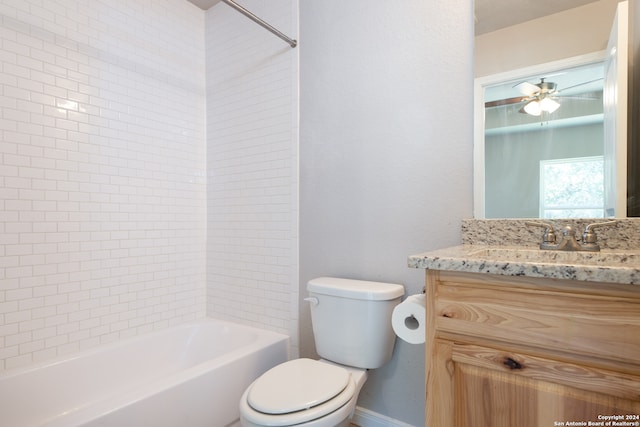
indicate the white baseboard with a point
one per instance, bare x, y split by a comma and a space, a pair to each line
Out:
366, 418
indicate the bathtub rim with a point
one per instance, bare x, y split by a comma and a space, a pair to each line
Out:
87, 412
269, 335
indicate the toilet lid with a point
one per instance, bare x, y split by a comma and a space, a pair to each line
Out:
297, 385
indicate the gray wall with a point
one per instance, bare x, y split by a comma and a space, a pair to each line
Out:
385, 156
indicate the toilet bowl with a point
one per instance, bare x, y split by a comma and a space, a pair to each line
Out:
303, 392
352, 331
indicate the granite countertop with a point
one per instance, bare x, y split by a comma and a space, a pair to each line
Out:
510, 248
604, 266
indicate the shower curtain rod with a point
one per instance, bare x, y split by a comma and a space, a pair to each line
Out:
254, 18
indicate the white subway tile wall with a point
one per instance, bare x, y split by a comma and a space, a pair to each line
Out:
102, 173
252, 155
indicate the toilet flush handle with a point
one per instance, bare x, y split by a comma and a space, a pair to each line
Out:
312, 300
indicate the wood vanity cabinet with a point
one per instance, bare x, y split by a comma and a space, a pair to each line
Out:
507, 351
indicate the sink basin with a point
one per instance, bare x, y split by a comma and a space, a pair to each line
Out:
530, 255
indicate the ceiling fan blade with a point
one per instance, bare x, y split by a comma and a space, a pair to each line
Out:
527, 88
500, 102
580, 84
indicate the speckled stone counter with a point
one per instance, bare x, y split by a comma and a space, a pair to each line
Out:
509, 247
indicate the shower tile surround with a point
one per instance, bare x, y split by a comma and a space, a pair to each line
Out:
102, 214
252, 163
103, 160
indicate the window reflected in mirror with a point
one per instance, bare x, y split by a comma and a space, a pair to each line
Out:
572, 188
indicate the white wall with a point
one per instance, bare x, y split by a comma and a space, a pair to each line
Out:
102, 207
385, 156
252, 160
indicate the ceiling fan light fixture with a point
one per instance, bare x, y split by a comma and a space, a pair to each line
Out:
549, 105
533, 108
536, 107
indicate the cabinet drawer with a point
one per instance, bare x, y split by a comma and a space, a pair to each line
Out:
550, 319
522, 390
579, 377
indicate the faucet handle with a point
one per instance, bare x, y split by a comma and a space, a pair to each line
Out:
549, 236
589, 236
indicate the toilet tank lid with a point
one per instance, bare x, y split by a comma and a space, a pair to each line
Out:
355, 289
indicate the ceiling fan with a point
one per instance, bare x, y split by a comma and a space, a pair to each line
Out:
540, 97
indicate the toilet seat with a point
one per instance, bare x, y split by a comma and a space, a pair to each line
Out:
296, 392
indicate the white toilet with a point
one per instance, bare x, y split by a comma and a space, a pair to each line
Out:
352, 329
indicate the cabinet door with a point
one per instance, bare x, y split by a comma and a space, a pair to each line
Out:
493, 388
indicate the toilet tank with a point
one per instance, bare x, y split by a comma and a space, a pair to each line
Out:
352, 320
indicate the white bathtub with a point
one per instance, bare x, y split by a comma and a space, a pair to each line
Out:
188, 376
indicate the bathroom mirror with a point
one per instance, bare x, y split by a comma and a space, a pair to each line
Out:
548, 62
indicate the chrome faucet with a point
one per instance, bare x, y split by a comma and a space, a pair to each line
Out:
569, 241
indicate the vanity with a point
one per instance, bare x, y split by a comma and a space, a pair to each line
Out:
518, 336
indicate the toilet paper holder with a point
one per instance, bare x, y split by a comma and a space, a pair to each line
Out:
411, 323
408, 319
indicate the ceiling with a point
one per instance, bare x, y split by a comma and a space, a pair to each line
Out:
204, 4
492, 15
